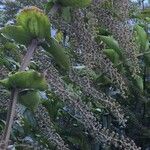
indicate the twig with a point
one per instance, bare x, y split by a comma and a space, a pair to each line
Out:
54, 9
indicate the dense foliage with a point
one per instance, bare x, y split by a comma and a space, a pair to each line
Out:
74, 74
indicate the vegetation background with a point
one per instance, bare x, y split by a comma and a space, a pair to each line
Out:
97, 68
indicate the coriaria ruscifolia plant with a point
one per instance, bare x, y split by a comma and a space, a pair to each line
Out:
102, 94
91, 52
82, 113
124, 37
32, 27
47, 129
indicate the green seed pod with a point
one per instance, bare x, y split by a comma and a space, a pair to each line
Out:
111, 43
30, 99
142, 37
34, 21
75, 3
16, 33
25, 79
58, 52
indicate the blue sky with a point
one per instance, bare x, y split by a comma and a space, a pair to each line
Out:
146, 1
137, 0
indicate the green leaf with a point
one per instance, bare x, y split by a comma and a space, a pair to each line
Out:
2, 125
11, 50
112, 55
66, 15
52, 106
142, 37
16, 33
30, 99
145, 13
111, 43
104, 80
58, 52
139, 82
59, 36
25, 79
103, 31
29, 120
147, 59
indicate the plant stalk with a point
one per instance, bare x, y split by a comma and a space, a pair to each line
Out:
14, 94
54, 9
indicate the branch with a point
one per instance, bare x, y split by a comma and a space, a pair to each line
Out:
29, 54
54, 9
14, 94
15, 91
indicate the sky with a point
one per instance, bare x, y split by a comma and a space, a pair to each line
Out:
137, 0
146, 1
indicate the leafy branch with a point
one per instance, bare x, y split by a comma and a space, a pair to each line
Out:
15, 92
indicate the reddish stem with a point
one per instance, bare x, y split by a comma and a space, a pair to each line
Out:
14, 94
